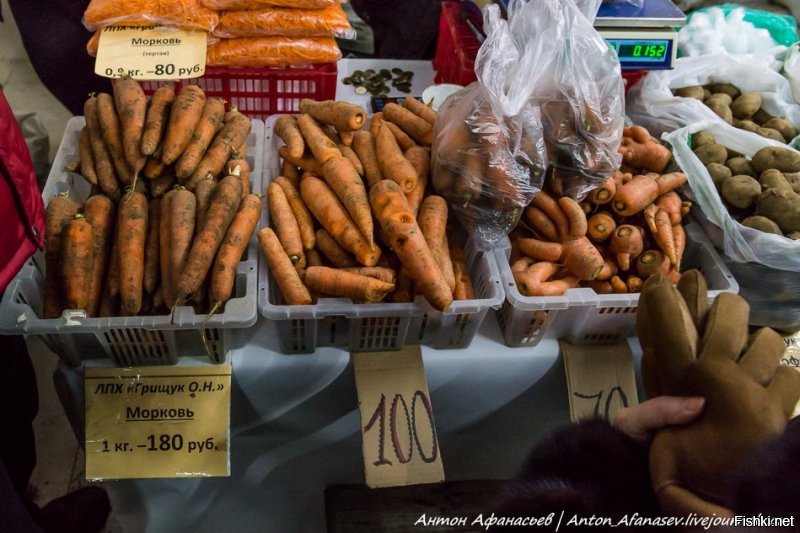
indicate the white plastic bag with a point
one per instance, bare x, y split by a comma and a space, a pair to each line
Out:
739, 243
651, 103
791, 69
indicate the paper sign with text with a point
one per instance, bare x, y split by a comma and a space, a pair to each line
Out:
791, 357
600, 379
157, 422
397, 428
151, 53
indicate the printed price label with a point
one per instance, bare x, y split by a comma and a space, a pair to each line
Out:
398, 432
157, 422
600, 379
791, 357
151, 53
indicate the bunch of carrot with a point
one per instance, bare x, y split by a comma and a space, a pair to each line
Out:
151, 145
626, 230
142, 245
350, 212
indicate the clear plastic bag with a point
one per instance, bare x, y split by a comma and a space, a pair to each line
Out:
549, 92
330, 21
220, 5
272, 51
187, 14
634, 3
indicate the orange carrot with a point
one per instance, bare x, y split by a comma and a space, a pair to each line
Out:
618, 286
664, 237
302, 215
652, 262
203, 192
416, 127
313, 258
346, 137
86, 157
155, 121
342, 177
76, 263
131, 105
183, 213
679, 236
404, 288
364, 147
160, 185
337, 255
549, 206
641, 191
351, 155
627, 243
320, 144
287, 278
233, 134
375, 123
541, 223
604, 193
99, 212
600, 287
384, 274
343, 116
106, 178
325, 280
432, 220
609, 270
420, 158
671, 203
221, 210
535, 280
464, 289
545, 251
287, 129
132, 235
184, 117
60, 210
154, 166
649, 215
394, 214
307, 162
289, 171
164, 248
634, 284
152, 264
239, 158
209, 124
601, 227
403, 140
419, 109
112, 135
285, 224
233, 246
329, 211
576, 218
392, 162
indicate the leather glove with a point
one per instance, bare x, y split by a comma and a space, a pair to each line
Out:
690, 349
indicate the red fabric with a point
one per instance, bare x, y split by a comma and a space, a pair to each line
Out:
21, 206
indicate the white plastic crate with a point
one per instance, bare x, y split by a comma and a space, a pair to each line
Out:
140, 340
379, 326
584, 317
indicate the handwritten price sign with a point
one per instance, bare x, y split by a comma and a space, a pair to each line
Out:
398, 431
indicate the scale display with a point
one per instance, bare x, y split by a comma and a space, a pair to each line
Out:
646, 54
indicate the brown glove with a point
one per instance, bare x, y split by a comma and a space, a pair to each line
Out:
691, 350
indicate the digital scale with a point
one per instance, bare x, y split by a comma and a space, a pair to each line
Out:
644, 38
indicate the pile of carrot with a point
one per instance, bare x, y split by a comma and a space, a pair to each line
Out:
170, 213
626, 230
351, 212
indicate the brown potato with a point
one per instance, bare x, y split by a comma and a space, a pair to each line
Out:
727, 88
695, 91
774, 179
762, 224
746, 105
719, 173
740, 191
782, 207
740, 165
783, 159
702, 138
769, 133
782, 125
712, 153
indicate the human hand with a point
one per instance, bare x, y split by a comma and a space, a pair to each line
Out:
641, 421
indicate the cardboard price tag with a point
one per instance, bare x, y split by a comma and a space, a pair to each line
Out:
151, 53
157, 422
397, 428
791, 357
600, 379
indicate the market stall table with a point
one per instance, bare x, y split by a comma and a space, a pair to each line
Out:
295, 431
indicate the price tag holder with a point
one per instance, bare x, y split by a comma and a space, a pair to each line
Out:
397, 428
791, 357
600, 379
157, 422
151, 53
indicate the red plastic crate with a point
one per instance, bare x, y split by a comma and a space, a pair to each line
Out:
260, 92
456, 48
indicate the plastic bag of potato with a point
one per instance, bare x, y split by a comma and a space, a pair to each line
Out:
738, 91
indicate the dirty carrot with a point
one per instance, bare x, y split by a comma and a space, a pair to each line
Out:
679, 236
152, 264
545, 251
326, 280
415, 126
627, 243
432, 220
86, 157
351, 155
600, 227
618, 286
541, 224
329, 211
200, 138
221, 210
671, 203
99, 212
393, 163
375, 123
549, 206
404, 288
337, 255
320, 144
364, 147
106, 177
223, 275
164, 248
405, 237
464, 290
131, 236
419, 109
289, 171
384, 274
285, 224
202, 193
307, 162
403, 140
131, 105
652, 262
77, 251
641, 191
60, 210
346, 137
155, 121
604, 193
420, 159
233, 134
344, 180
112, 136
313, 258
239, 158
634, 284
162, 184
287, 129
154, 167
289, 282
184, 117
344, 116
183, 212
664, 236
302, 215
